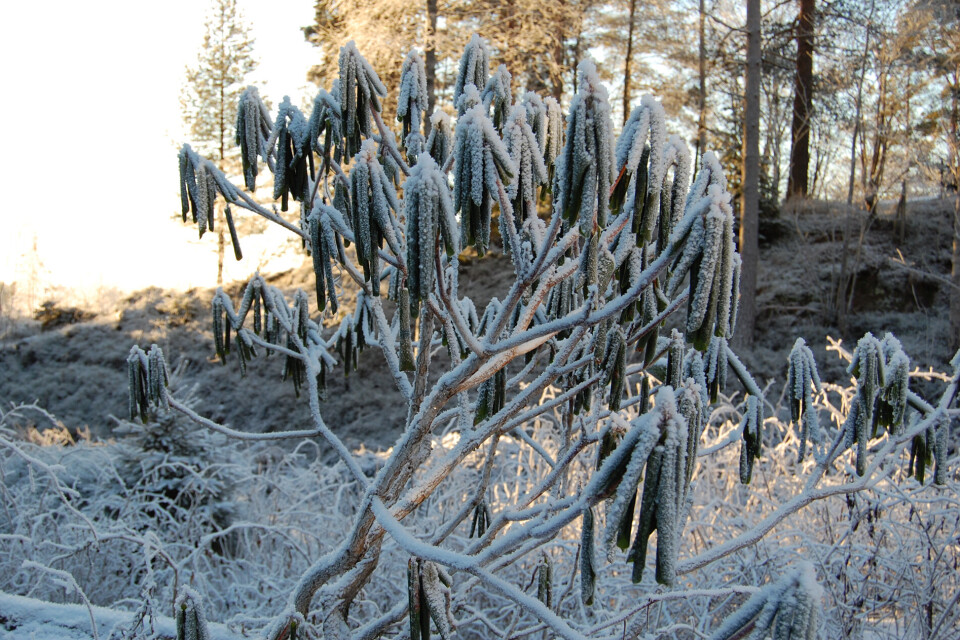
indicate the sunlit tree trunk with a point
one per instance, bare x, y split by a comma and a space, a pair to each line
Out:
803, 95
750, 197
430, 62
955, 169
702, 101
627, 63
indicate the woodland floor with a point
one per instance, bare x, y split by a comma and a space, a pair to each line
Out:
77, 370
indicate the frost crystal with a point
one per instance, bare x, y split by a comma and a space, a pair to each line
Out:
324, 248
374, 206
253, 129
665, 486
440, 141
294, 154
360, 91
553, 142
325, 122
469, 99
412, 101
709, 256
428, 209
802, 380
497, 95
474, 67
788, 608
751, 432
191, 624
582, 184
536, 118
522, 146
482, 161
641, 168
200, 181
892, 403
867, 366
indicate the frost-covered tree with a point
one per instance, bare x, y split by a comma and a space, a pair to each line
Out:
210, 95
560, 426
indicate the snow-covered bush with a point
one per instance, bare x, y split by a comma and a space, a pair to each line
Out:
627, 241
562, 444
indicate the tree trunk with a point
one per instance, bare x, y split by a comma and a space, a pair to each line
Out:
220, 251
702, 122
430, 62
556, 77
750, 197
223, 153
873, 179
626, 64
901, 221
955, 277
802, 97
955, 169
859, 108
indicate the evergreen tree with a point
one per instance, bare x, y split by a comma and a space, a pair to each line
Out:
212, 89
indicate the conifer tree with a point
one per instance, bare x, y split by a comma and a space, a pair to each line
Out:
212, 89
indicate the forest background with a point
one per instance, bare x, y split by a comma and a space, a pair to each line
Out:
857, 100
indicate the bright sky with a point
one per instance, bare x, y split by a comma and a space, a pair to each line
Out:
91, 106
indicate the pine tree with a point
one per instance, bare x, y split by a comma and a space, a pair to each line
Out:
803, 95
212, 90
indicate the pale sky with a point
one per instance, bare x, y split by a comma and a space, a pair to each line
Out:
92, 125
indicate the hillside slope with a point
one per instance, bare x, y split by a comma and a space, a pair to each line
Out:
78, 371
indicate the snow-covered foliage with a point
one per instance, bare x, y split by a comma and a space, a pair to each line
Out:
374, 207
360, 93
293, 153
803, 380
553, 141
788, 608
474, 67
538, 423
582, 185
709, 256
412, 102
325, 122
253, 130
498, 97
527, 158
291, 506
429, 213
440, 141
483, 166
469, 98
191, 623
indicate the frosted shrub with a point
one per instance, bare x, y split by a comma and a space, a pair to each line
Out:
565, 427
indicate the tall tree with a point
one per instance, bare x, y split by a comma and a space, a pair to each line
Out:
944, 60
628, 61
430, 61
529, 36
750, 196
702, 81
385, 30
802, 102
212, 89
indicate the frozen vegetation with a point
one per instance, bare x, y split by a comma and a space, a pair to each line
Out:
582, 456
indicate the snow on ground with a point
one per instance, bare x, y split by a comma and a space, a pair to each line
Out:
29, 619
